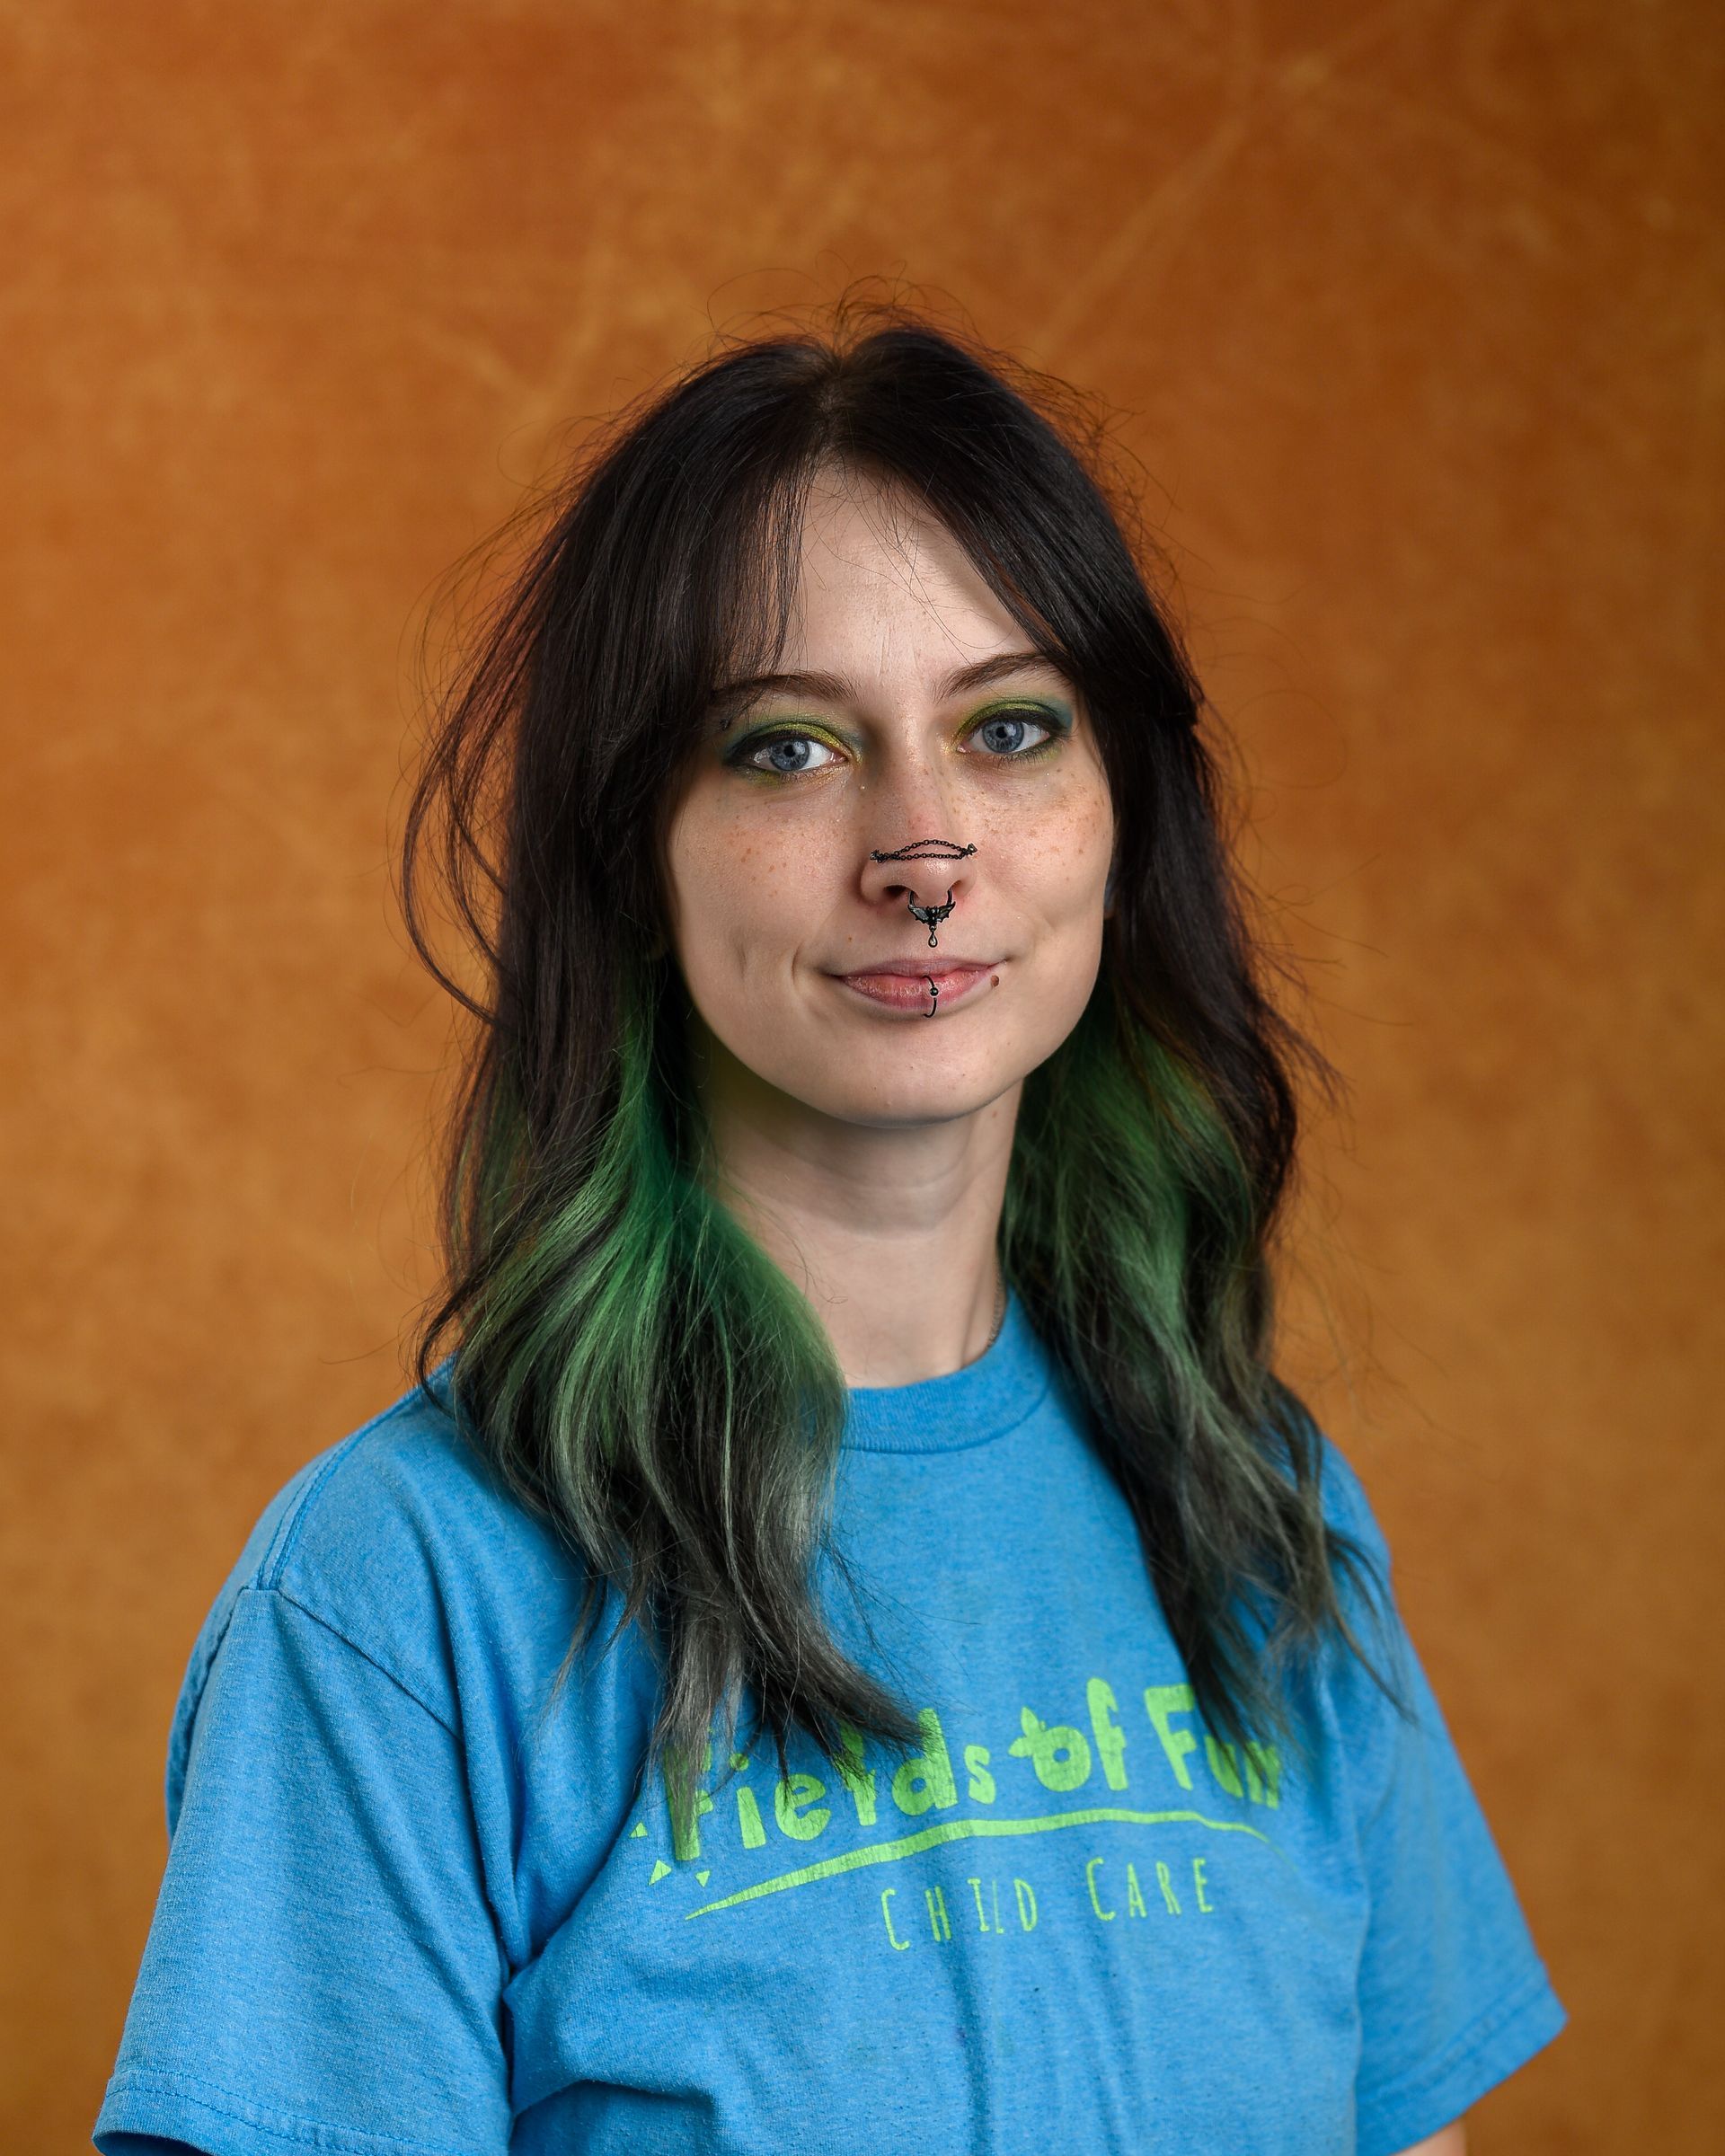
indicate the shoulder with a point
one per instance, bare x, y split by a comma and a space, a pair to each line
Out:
1347, 1503
1367, 1678
398, 1538
1340, 1491
1360, 1662
399, 1551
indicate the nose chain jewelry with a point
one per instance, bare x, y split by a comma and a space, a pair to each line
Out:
931, 917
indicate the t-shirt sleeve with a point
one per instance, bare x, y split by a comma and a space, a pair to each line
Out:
1453, 1994
322, 1969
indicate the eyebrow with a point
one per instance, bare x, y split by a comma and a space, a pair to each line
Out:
832, 688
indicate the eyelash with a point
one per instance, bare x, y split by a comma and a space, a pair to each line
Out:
738, 759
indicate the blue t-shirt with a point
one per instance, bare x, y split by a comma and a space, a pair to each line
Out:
397, 1916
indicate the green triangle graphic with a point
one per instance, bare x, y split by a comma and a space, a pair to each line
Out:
659, 1869
640, 1826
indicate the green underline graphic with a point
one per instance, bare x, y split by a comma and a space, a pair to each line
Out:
957, 1830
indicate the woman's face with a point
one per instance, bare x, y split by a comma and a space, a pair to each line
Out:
778, 912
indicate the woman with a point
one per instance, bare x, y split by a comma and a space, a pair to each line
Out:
852, 1646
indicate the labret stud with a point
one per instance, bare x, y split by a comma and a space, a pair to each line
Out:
928, 849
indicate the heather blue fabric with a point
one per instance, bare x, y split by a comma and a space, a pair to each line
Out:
398, 1917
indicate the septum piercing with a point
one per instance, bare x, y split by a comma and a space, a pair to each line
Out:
930, 915
927, 849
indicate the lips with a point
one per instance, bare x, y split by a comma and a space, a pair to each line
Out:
917, 969
895, 985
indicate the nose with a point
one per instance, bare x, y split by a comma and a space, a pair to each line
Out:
913, 852
929, 874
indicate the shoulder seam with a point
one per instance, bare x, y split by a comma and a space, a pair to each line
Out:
275, 1559
353, 1645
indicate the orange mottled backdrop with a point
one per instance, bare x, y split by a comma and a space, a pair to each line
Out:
1411, 317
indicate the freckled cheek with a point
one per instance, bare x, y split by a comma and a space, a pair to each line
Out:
1072, 818
743, 927
1060, 886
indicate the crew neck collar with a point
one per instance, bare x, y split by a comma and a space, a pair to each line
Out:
983, 1400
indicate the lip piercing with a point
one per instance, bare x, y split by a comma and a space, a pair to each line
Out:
934, 993
927, 849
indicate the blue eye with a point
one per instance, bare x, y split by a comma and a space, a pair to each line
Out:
788, 752
787, 766
1006, 728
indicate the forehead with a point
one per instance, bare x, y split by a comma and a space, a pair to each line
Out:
879, 579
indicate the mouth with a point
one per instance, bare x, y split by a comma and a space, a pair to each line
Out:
902, 984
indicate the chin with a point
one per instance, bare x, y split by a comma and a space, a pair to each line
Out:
880, 1092
880, 1071
904, 1114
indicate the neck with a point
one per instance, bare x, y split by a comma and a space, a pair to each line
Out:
890, 1232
